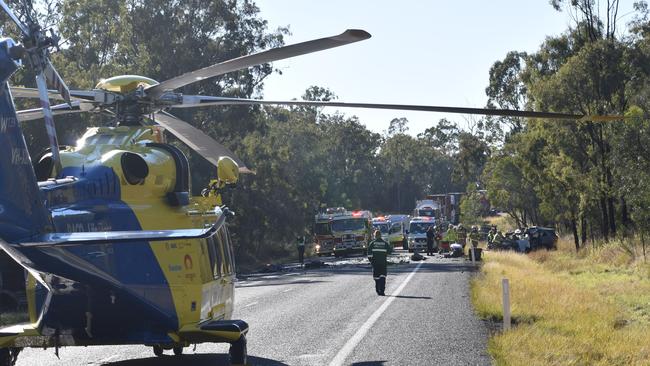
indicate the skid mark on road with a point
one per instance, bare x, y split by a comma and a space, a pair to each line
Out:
358, 336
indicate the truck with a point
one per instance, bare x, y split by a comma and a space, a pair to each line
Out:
444, 207
351, 231
322, 231
417, 234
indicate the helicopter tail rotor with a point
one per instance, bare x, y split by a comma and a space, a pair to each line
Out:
36, 52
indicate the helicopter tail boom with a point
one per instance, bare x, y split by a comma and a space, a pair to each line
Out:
22, 212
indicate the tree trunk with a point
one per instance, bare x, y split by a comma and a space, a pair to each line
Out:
583, 229
625, 218
604, 226
612, 215
576, 240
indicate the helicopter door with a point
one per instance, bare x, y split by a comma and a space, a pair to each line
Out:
228, 271
218, 291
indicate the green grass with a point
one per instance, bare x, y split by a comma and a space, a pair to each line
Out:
591, 308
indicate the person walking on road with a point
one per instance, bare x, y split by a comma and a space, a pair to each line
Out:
301, 249
378, 252
431, 235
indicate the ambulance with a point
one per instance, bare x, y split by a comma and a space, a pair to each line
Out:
417, 235
399, 225
382, 224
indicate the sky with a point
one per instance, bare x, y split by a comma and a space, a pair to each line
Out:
421, 51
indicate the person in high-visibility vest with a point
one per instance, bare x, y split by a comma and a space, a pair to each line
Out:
450, 235
462, 235
474, 236
300, 245
378, 252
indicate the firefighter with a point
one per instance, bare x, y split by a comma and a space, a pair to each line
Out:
378, 252
300, 244
497, 240
474, 236
450, 236
439, 240
462, 235
490, 235
431, 236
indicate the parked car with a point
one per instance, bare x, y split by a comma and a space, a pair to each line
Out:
542, 237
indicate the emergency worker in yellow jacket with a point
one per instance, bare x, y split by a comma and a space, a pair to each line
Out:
378, 252
474, 236
462, 235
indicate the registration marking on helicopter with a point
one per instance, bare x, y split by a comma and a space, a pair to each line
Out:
349, 346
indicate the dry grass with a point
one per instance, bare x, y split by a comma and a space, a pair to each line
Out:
586, 309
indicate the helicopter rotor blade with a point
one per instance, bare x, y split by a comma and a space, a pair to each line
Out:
23, 28
56, 81
78, 95
57, 110
49, 120
274, 54
197, 140
190, 101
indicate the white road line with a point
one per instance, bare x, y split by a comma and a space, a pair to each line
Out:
358, 336
251, 304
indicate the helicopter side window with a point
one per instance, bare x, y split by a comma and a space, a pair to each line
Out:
215, 256
223, 240
103, 139
229, 249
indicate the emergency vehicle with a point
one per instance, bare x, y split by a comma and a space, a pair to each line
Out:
322, 231
417, 236
382, 224
351, 231
399, 225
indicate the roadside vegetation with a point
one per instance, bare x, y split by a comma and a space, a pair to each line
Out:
589, 308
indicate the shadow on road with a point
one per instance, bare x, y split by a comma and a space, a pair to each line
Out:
193, 360
369, 363
279, 282
412, 297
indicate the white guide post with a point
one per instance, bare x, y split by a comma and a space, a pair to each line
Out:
506, 303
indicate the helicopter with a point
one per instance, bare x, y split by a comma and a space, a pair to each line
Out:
114, 247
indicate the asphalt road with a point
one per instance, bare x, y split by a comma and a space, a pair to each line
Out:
332, 316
